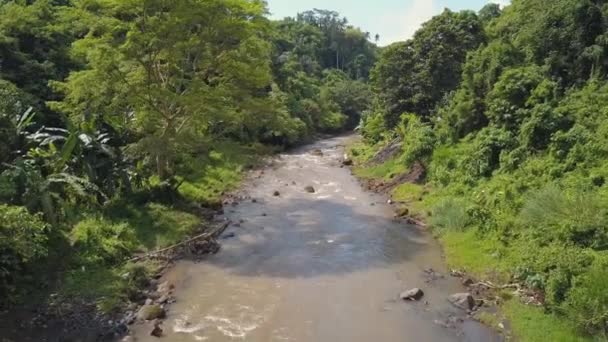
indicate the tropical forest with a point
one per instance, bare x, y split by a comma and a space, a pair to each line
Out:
191, 170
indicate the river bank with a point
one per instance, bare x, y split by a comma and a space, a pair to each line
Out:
472, 257
99, 303
311, 256
305, 246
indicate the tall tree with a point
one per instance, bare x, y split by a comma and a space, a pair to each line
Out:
154, 65
416, 75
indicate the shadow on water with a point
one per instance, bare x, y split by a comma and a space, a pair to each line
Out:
311, 237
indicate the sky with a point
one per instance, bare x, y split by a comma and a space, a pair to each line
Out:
393, 20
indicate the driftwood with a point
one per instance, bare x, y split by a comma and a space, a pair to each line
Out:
416, 222
205, 237
500, 287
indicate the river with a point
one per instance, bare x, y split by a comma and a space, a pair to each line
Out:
324, 266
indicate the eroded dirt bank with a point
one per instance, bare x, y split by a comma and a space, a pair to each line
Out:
322, 265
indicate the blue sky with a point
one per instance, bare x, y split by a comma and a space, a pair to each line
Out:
393, 20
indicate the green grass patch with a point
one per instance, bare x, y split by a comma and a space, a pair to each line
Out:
109, 287
155, 225
490, 319
386, 171
208, 176
415, 196
149, 225
408, 192
480, 256
362, 152
533, 324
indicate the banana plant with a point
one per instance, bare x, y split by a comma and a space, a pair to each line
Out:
77, 163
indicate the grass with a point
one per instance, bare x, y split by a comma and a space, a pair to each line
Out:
157, 225
484, 257
416, 196
532, 324
208, 176
490, 319
478, 256
109, 287
384, 171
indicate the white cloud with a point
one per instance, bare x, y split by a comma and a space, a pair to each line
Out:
405, 22
502, 3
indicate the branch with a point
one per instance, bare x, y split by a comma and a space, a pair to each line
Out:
204, 236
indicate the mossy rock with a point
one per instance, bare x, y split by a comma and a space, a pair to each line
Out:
403, 212
150, 312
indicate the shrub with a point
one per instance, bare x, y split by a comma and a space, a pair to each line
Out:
450, 214
418, 139
23, 240
372, 126
331, 122
587, 302
508, 100
97, 240
486, 150
577, 216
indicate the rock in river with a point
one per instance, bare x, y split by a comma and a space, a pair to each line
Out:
310, 189
413, 294
464, 301
150, 312
276, 194
157, 331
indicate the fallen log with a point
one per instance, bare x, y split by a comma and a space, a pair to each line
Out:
205, 237
500, 287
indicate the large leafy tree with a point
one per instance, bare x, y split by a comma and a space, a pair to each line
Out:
344, 46
172, 71
414, 76
34, 45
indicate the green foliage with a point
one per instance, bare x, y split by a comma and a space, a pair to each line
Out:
587, 301
414, 76
34, 45
23, 241
372, 126
99, 241
208, 176
351, 99
450, 214
533, 324
517, 163
577, 217
507, 101
418, 139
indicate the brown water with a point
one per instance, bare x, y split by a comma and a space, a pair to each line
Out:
327, 266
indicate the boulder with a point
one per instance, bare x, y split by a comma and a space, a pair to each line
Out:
157, 331
317, 152
347, 162
276, 194
463, 301
413, 294
150, 312
229, 235
467, 282
310, 189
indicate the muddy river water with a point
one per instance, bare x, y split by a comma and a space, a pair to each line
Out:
323, 266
